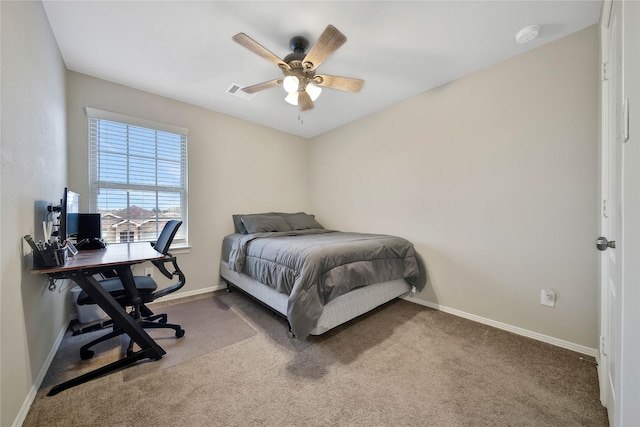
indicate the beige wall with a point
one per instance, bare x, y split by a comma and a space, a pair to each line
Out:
234, 166
494, 179
33, 175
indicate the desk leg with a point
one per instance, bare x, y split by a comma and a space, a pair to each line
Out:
148, 347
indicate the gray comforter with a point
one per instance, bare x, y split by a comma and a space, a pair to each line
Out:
315, 266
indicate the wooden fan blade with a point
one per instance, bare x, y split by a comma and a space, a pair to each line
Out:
304, 101
262, 86
258, 49
341, 83
330, 40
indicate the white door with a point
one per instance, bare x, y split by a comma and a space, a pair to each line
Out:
627, 409
610, 242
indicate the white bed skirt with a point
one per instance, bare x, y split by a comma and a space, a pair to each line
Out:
336, 312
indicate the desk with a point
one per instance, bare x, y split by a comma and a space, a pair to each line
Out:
81, 268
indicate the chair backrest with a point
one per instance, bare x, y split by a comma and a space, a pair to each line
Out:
166, 236
162, 245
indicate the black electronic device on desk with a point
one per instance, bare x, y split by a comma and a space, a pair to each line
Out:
69, 215
93, 243
89, 232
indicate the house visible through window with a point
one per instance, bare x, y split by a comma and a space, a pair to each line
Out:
138, 176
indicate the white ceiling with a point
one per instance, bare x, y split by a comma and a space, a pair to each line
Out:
183, 49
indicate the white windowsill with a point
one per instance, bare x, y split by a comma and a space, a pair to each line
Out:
181, 249
174, 249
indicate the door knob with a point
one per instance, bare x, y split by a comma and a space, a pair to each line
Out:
602, 244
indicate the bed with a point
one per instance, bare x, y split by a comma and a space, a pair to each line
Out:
316, 278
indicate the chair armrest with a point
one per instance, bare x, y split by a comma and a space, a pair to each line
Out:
177, 272
160, 265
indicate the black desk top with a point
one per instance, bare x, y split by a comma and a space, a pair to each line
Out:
114, 254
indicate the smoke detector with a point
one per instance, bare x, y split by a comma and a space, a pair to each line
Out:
527, 34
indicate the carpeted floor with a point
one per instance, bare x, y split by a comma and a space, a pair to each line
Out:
402, 364
201, 317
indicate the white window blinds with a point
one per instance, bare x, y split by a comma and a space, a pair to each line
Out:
138, 176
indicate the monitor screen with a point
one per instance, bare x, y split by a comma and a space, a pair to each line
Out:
69, 210
89, 226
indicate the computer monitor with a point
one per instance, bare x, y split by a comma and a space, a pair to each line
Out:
89, 226
69, 210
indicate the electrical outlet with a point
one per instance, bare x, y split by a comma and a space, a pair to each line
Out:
548, 297
148, 271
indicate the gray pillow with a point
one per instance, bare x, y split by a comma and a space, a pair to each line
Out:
264, 223
237, 221
238, 227
303, 222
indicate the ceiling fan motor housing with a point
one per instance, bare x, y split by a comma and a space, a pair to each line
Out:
299, 45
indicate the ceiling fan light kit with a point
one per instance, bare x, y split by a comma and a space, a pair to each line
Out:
292, 98
313, 91
291, 84
300, 80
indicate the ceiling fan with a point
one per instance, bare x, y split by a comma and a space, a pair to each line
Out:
299, 68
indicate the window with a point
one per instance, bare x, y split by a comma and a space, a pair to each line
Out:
138, 176
127, 236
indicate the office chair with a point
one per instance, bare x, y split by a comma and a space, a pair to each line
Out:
146, 288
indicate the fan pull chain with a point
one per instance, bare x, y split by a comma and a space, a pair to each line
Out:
300, 117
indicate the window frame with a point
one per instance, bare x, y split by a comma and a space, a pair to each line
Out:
95, 185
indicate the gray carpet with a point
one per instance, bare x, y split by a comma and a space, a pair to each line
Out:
209, 325
200, 318
402, 364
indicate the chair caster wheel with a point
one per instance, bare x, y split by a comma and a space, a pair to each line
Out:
180, 333
86, 354
291, 334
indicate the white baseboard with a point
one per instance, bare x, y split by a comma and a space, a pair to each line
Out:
510, 328
28, 401
179, 295
587, 351
504, 326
